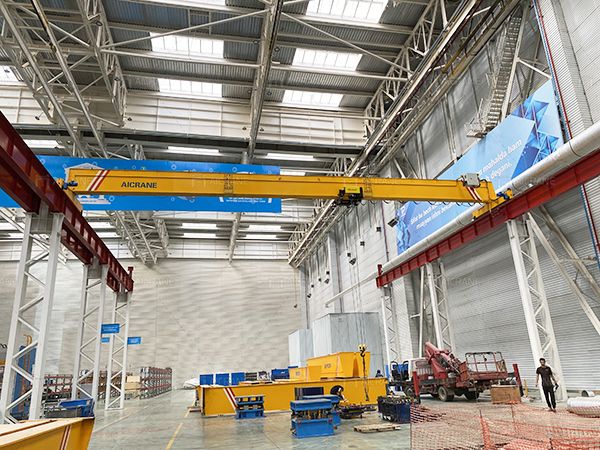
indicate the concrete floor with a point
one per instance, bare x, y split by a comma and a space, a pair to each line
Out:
164, 423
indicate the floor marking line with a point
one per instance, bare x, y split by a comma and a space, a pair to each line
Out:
95, 430
186, 414
170, 444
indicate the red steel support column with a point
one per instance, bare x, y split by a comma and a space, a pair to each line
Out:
24, 178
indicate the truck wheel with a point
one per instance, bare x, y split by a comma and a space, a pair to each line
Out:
445, 394
472, 395
409, 391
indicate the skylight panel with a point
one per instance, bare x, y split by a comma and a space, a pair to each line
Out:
291, 97
199, 88
299, 173
7, 75
326, 59
41, 143
194, 151
261, 227
358, 10
188, 45
199, 225
200, 235
108, 235
291, 156
262, 237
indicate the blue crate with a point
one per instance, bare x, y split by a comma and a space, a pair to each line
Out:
86, 406
207, 379
222, 379
280, 374
237, 378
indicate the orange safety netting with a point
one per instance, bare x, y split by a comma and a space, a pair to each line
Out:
464, 426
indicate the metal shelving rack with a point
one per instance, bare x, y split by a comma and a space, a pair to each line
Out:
155, 381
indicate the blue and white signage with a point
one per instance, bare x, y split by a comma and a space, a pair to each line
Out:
57, 166
521, 140
105, 340
134, 340
111, 328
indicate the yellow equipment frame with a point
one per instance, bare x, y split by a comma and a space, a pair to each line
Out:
346, 190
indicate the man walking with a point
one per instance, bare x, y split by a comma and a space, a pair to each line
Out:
548, 382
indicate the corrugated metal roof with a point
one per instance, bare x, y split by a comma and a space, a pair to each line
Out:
160, 16
145, 14
325, 81
241, 51
168, 67
120, 35
371, 64
248, 26
402, 14
354, 101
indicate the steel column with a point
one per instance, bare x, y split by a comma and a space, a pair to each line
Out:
438, 296
31, 316
98, 342
533, 297
388, 316
93, 294
117, 354
576, 261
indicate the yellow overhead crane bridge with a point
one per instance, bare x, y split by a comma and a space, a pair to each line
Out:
344, 190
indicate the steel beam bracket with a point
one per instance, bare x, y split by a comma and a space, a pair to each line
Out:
488, 207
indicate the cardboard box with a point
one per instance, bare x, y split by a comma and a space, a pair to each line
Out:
133, 378
505, 395
132, 386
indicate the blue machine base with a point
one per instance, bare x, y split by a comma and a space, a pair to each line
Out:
312, 428
249, 414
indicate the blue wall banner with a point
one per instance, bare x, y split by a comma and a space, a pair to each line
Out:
529, 134
57, 165
134, 340
111, 328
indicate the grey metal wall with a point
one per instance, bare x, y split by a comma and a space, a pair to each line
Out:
485, 305
582, 17
196, 316
344, 332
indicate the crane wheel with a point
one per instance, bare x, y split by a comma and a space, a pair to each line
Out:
445, 394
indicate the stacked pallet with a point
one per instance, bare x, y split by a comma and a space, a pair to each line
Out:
133, 386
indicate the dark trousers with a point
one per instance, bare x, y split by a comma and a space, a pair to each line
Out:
549, 394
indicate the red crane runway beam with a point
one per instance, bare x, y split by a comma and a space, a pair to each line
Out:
586, 169
24, 178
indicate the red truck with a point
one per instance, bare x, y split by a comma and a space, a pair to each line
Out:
443, 375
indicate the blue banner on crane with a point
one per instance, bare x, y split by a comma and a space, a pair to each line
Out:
57, 165
529, 134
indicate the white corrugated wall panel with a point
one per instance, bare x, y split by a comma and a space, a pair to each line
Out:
582, 19
196, 316
485, 305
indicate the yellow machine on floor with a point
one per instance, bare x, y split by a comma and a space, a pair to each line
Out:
220, 400
349, 370
340, 365
47, 434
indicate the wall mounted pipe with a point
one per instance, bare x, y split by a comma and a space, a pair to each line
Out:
580, 146
584, 406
